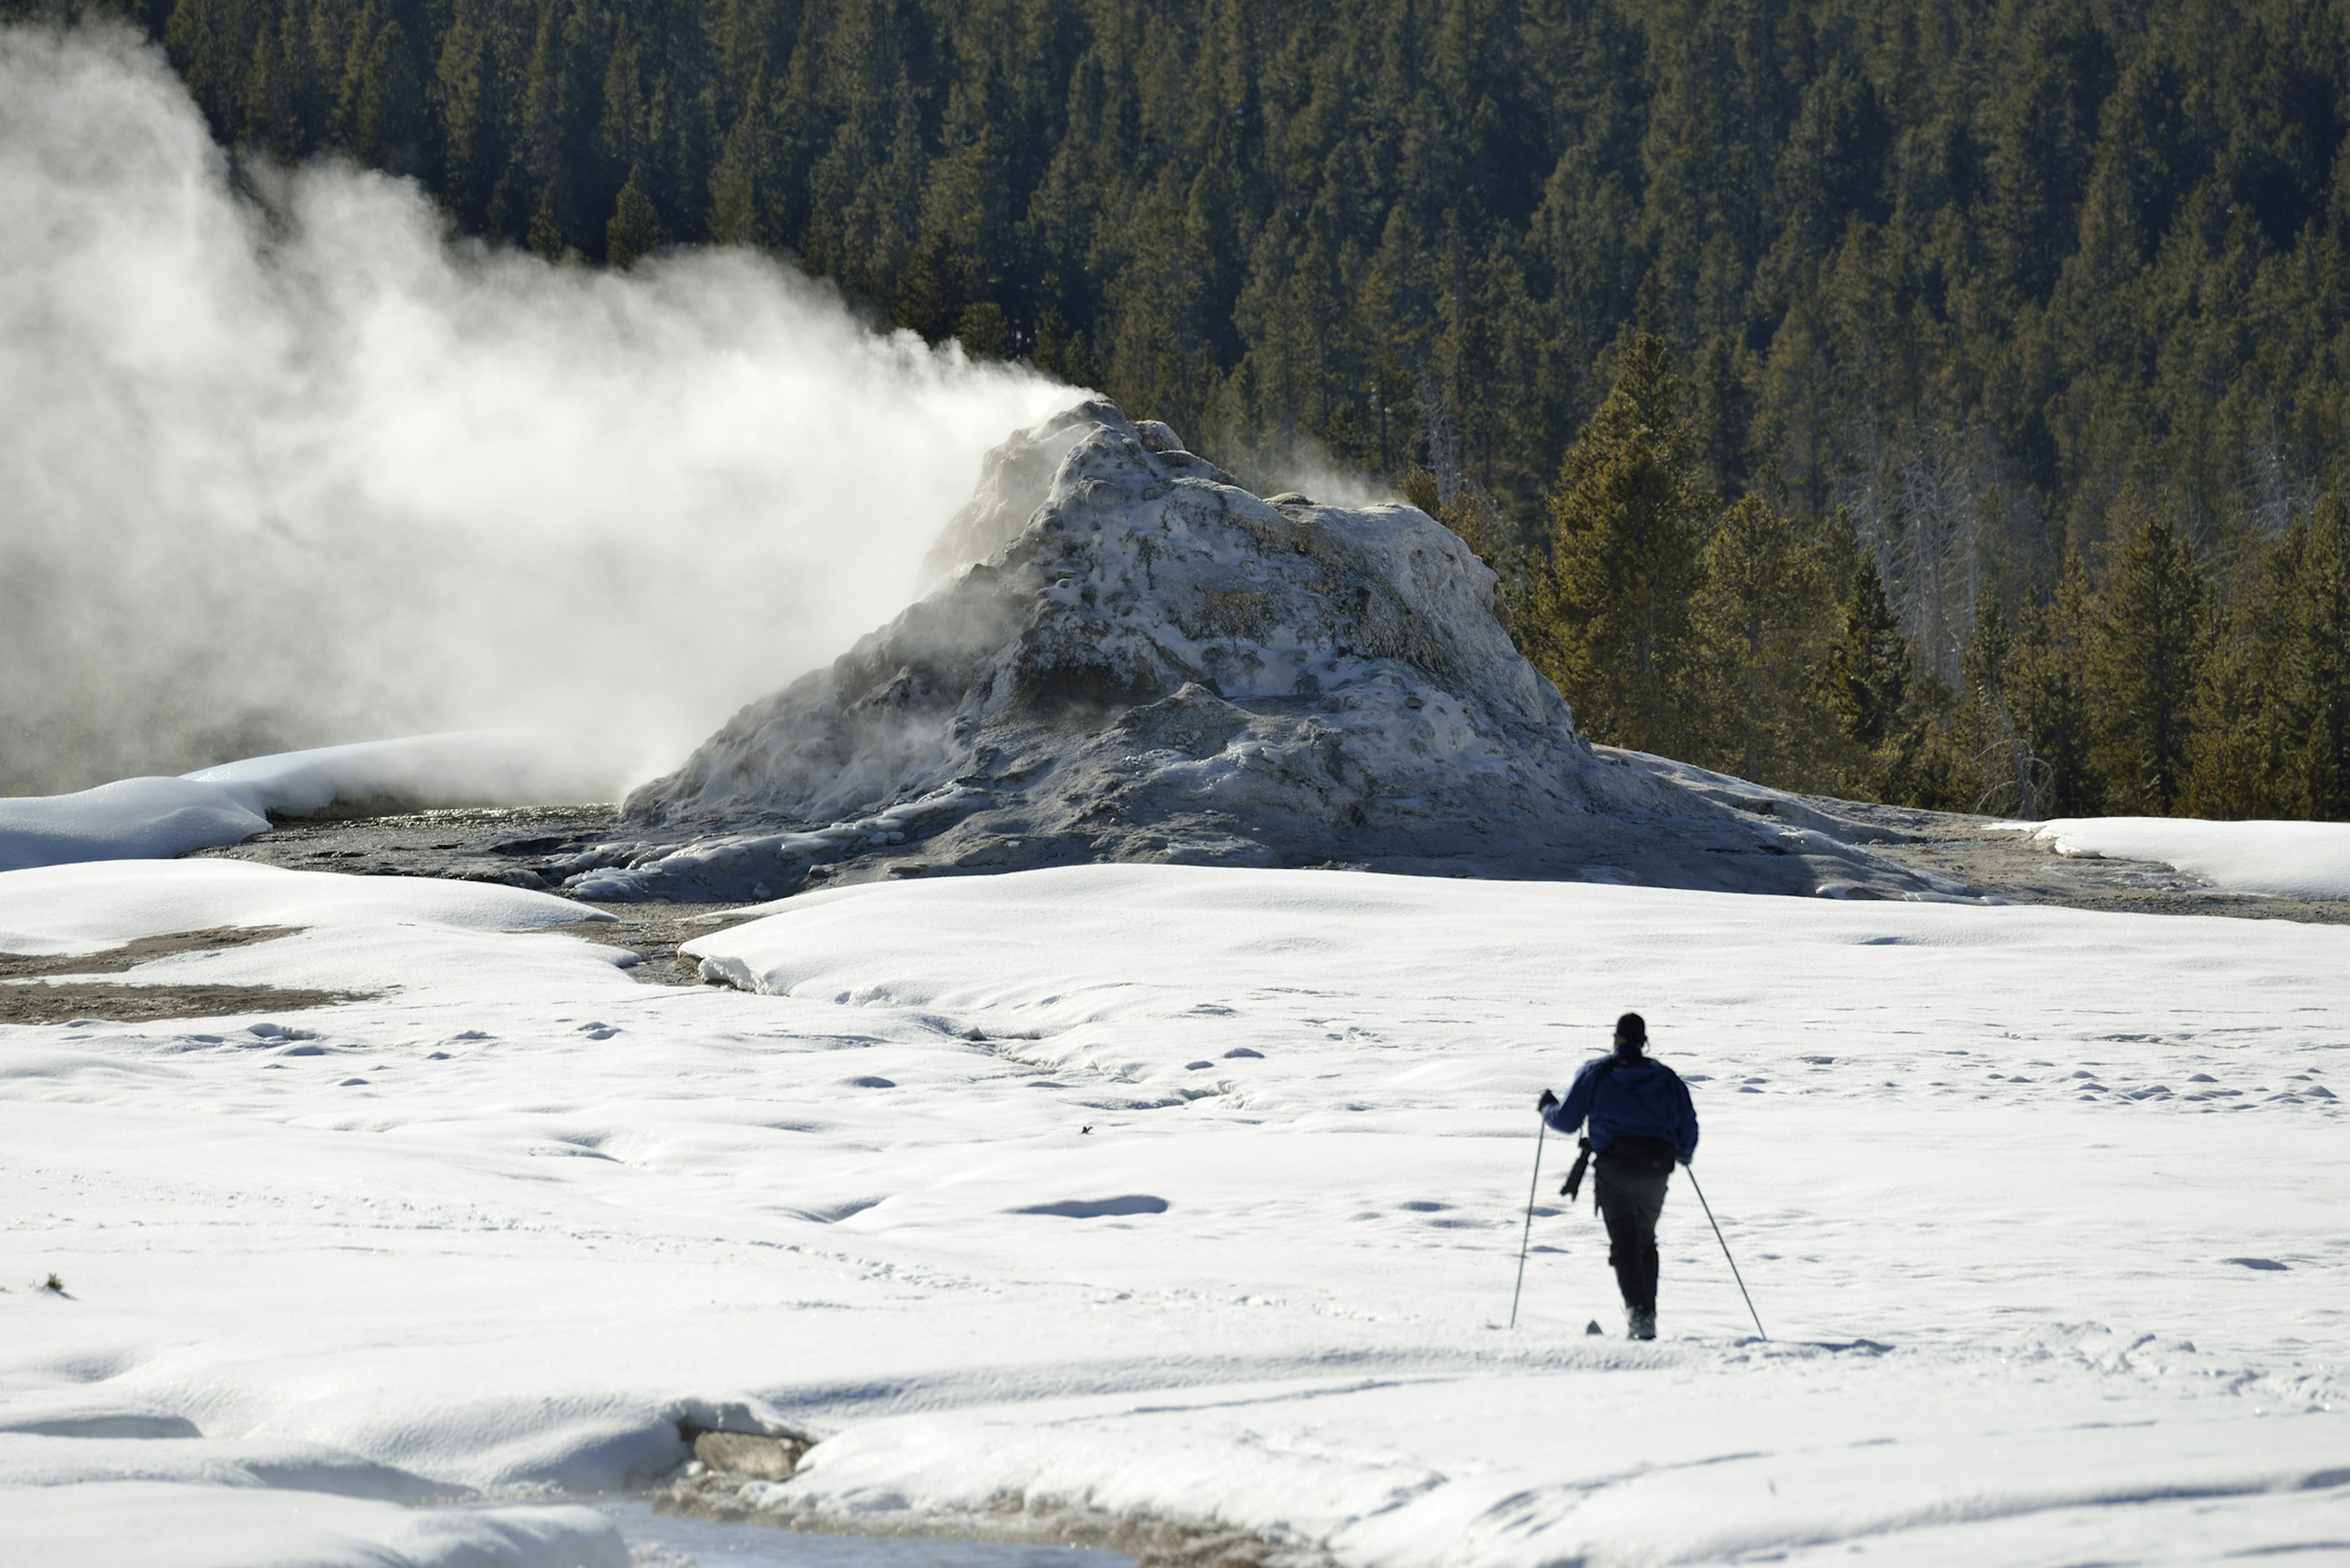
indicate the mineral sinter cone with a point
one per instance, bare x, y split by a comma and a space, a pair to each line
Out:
1130, 657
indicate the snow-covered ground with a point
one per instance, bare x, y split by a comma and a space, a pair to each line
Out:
1188, 1191
2282, 859
150, 818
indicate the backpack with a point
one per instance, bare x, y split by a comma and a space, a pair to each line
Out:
1626, 1155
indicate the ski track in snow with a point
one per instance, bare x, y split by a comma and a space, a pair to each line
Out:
2040, 1206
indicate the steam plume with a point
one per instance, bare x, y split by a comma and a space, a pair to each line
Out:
295, 467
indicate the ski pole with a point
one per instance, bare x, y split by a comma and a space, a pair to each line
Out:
1533, 1188
1725, 1248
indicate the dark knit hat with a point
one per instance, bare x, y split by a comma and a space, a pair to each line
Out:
1631, 1032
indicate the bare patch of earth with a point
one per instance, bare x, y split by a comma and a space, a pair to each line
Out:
28, 994
115, 960
66, 1000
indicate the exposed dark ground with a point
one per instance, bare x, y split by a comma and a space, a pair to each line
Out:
522, 848
29, 993
513, 845
2013, 867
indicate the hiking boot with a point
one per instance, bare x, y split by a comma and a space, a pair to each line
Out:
1642, 1325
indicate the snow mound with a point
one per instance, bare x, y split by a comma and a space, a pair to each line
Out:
2281, 859
85, 907
130, 819
158, 818
1135, 658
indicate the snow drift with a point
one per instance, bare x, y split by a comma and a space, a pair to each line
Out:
1135, 658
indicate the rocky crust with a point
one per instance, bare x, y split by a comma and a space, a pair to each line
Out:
1132, 658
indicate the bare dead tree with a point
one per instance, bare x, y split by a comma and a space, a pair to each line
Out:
2280, 488
1443, 445
2019, 784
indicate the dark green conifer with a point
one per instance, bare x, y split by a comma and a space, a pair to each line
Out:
1760, 628
2315, 694
1608, 618
635, 228
2046, 690
1868, 670
2142, 666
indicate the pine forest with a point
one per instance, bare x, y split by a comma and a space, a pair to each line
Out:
1934, 401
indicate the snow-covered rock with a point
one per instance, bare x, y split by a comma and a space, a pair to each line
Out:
1135, 658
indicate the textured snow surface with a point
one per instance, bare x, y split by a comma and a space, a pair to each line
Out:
1134, 659
2040, 1206
156, 818
2282, 859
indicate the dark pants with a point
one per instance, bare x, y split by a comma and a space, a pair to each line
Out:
1631, 1204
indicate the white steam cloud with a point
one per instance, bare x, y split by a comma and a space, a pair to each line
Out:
299, 468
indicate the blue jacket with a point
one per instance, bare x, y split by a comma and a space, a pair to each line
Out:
1639, 1098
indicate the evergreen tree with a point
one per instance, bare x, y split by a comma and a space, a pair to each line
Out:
2142, 667
1608, 616
1760, 633
380, 115
1868, 670
2313, 693
2046, 690
635, 228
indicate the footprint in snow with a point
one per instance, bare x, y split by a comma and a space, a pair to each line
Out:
870, 1081
1239, 1052
2264, 1264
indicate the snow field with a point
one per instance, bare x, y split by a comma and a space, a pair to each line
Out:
2040, 1206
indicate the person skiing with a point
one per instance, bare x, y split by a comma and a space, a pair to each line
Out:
1641, 1123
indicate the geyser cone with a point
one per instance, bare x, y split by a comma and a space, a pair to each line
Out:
1133, 657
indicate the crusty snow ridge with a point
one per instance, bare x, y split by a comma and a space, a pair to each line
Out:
1132, 658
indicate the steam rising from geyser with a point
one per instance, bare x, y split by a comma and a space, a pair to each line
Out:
297, 470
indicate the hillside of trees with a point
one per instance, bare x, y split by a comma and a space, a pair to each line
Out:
1929, 400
